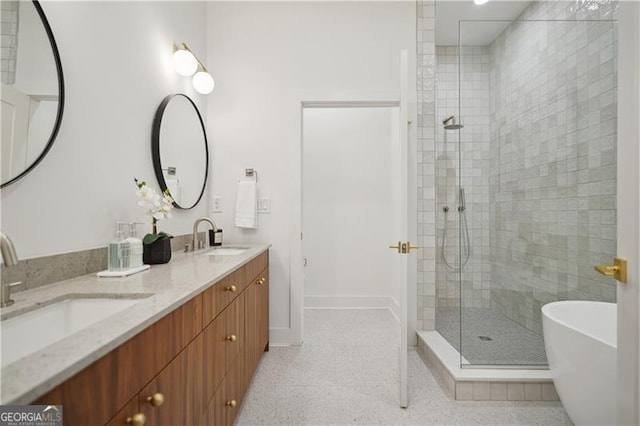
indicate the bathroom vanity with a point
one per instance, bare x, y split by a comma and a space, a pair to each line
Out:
183, 355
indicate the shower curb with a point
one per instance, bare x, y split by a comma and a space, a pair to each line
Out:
485, 384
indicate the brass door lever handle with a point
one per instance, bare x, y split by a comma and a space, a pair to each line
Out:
618, 270
404, 248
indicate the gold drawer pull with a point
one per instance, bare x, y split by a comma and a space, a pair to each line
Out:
231, 338
261, 281
231, 403
137, 420
156, 400
231, 288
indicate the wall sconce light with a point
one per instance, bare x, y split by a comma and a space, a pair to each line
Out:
187, 64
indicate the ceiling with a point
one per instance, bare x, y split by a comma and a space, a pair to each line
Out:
449, 13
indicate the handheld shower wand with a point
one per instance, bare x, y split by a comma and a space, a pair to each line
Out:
463, 205
465, 243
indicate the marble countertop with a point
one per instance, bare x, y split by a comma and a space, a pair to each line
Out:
160, 290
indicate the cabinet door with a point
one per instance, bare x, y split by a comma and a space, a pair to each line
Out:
216, 345
263, 310
251, 332
234, 331
256, 323
180, 385
251, 335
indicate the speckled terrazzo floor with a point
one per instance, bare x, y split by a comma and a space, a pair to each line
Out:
346, 373
510, 344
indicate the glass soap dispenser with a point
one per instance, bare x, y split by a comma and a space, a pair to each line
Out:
119, 250
135, 248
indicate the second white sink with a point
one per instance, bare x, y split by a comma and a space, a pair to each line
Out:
226, 251
29, 332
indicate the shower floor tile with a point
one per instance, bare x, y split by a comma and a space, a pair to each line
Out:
490, 338
346, 372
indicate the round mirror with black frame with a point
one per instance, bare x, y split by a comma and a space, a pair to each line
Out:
180, 151
32, 89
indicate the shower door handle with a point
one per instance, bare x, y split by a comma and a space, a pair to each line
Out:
618, 270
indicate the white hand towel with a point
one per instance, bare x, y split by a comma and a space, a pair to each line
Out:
247, 205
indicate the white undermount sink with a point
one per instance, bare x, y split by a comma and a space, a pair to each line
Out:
226, 251
31, 331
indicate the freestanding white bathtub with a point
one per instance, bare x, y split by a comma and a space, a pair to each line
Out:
580, 340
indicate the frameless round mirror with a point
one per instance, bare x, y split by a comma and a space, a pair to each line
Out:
179, 150
32, 88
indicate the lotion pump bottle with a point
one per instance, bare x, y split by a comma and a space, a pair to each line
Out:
119, 250
135, 244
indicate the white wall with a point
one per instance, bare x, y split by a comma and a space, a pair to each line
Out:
116, 63
266, 59
347, 207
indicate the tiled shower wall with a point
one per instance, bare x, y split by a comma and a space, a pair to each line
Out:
553, 173
9, 10
466, 165
525, 225
425, 68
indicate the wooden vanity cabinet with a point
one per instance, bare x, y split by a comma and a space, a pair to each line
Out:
192, 367
97, 393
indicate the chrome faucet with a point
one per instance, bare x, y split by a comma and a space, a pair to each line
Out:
10, 258
194, 240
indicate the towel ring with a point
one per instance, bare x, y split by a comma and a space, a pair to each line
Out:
251, 173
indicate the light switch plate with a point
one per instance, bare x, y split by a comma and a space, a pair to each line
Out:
264, 205
217, 204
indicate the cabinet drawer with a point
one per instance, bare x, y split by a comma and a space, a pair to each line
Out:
216, 298
223, 341
256, 266
225, 405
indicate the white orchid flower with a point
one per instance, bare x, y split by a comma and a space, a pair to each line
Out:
156, 205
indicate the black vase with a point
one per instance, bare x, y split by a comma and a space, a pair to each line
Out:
157, 252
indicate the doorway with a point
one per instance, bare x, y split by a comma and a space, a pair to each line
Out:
347, 206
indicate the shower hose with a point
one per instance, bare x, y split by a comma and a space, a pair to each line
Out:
466, 246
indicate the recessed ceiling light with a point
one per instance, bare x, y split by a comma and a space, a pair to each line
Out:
479, 2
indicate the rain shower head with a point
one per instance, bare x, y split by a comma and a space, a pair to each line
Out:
450, 123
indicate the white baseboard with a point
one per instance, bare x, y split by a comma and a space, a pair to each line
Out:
287, 337
353, 302
282, 337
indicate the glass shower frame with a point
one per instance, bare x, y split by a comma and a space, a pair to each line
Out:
538, 175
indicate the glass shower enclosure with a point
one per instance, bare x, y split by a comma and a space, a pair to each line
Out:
525, 180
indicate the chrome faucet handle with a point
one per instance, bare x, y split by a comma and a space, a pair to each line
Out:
5, 294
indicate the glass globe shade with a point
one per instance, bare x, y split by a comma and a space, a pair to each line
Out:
184, 62
203, 82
